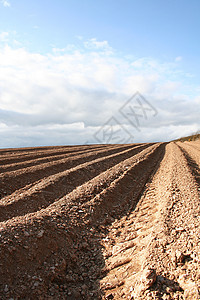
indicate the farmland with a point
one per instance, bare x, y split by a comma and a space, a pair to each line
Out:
100, 222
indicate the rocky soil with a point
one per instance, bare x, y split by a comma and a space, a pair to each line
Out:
100, 222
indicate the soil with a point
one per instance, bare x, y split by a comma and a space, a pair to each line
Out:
100, 222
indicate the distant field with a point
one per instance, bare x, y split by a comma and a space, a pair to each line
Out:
190, 138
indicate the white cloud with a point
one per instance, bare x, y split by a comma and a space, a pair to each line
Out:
178, 58
93, 44
5, 3
4, 36
9, 38
63, 97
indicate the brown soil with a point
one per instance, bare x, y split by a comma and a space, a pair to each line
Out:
100, 222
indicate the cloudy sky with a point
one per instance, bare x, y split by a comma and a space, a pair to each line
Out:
76, 72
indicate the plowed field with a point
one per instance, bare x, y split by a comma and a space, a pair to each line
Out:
100, 222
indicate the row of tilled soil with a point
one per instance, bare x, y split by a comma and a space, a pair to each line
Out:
14, 180
194, 144
46, 191
33, 160
191, 151
16, 151
154, 252
56, 252
10, 151
29, 155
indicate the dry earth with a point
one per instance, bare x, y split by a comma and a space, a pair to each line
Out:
100, 222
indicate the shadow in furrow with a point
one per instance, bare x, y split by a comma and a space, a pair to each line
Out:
26, 176
193, 166
34, 160
111, 204
38, 197
68, 255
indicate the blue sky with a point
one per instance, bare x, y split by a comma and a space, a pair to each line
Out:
73, 60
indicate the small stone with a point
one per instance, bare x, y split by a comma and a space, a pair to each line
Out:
6, 288
40, 233
148, 277
62, 265
36, 283
179, 256
110, 296
146, 280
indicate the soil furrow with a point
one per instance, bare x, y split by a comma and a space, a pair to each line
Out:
8, 159
52, 158
160, 261
16, 151
195, 144
37, 150
111, 181
191, 152
43, 193
192, 156
121, 226
14, 180
72, 258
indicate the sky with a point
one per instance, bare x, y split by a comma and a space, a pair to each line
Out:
77, 72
